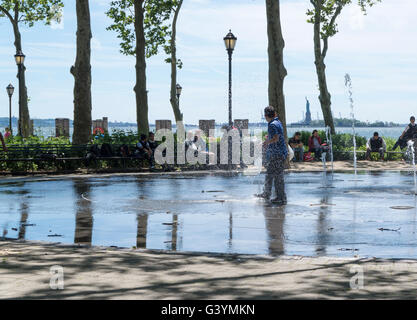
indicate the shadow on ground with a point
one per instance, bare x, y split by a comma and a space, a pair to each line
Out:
124, 274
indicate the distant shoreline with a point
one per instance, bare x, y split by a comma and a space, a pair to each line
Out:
46, 123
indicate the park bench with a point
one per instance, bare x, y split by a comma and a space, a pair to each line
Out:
361, 154
59, 156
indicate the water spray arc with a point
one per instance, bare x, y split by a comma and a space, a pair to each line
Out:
330, 142
411, 152
348, 84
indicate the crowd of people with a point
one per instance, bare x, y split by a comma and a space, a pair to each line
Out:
375, 144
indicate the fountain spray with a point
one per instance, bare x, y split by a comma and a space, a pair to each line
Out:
411, 150
323, 159
330, 142
348, 84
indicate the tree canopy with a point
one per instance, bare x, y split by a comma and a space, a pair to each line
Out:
30, 11
329, 11
156, 24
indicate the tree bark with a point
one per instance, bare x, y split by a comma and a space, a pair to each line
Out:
277, 71
324, 97
24, 118
140, 87
82, 75
174, 101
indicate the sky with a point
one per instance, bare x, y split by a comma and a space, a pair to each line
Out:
378, 50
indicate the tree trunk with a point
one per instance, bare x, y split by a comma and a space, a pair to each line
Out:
324, 97
174, 101
277, 71
82, 75
24, 118
140, 88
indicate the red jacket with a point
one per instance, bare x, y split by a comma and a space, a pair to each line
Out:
311, 143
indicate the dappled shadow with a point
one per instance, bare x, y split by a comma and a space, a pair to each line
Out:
99, 273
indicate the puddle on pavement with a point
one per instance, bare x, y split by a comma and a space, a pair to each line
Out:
209, 213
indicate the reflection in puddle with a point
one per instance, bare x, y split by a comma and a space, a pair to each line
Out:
84, 214
174, 214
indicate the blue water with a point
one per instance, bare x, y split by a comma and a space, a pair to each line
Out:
390, 132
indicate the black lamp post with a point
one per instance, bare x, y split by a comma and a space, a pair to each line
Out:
179, 91
10, 91
20, 60
230, 42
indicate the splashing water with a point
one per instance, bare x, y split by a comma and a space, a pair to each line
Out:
330, 142
411, 151
323, 159
348, 84
255, 170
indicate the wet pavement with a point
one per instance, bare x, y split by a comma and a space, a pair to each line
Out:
372, 216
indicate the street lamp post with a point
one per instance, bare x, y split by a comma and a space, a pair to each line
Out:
179, 91
20, 60
230, 42
10, 91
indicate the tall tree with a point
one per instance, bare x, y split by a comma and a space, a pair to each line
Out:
175, 62
277, 71
142, 27
28, 12
323, 16
82, 75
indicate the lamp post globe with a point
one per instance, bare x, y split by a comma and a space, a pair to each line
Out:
230, 41
10, 91
20, 58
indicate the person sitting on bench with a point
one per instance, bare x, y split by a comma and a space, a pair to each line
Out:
409, 133
298, 147
3, 143
375, 144
143, 150
314, 145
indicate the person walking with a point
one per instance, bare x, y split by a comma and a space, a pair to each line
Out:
276, 154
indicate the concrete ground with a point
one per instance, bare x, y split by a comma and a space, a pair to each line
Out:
105, 273
348, 166
344, 166
108, 273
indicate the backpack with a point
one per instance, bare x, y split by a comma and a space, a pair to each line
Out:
308, 157
290, 153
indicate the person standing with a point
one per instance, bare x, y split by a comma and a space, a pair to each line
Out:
375, 144
276, 154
